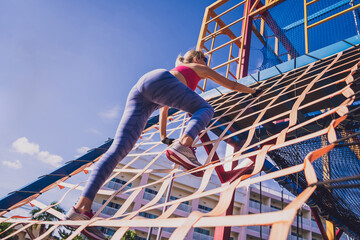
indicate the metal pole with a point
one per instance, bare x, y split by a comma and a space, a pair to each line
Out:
168, 192
244, 33
167, 198
306, 27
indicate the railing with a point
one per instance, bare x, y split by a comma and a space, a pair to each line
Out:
183, 207
204, 210
256, 205
253, 204
107, 210
275, 209
169, 230
264, 229
115, 186
148, 196
304, 221
273, 192
294, 238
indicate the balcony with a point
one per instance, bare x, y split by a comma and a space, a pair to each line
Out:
116, 186
256, 205
107, 210
305, 222
204, 210
169, 230
294, 238
149, 196
264, 229
183, 207
274, 209
314, 224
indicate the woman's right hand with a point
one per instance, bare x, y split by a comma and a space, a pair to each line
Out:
257, 92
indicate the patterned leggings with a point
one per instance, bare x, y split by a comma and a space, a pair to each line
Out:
155, 89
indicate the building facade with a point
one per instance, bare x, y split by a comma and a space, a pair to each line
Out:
247, 201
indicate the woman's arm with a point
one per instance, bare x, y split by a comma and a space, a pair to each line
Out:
163, 121
206, 72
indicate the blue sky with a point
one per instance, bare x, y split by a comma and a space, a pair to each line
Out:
66, 68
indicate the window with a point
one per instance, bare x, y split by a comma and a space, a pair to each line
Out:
174, 198
148, 190
107, 231
202, 231
112, 204
204, 208
275, 207
120, 181
294, 234
147, 215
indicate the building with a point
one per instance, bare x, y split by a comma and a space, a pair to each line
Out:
247, 201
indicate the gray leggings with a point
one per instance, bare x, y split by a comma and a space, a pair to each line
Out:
155, 89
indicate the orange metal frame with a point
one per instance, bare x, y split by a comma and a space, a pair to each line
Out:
237, 45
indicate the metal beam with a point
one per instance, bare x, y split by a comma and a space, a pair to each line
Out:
246, 41
319, 223
277, 30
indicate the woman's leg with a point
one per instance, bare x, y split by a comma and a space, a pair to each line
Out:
169, 91
156, 88
136, 113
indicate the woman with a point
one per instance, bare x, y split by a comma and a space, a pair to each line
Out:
158, 88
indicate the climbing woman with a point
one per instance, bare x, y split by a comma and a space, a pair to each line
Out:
157, 89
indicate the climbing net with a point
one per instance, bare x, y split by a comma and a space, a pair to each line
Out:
314, 105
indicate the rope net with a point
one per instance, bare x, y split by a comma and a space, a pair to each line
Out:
306, 121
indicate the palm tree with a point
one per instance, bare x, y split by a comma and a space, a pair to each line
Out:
45, 216
3, 226
65, 233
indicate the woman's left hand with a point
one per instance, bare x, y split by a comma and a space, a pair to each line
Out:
167, 141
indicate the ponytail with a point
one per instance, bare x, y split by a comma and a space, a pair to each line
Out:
188, 57
179, 60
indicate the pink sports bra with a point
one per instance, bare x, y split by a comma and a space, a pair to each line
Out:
192, 79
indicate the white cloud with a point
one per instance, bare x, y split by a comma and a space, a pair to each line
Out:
22, 145
51, 159
111, 114
12, 164
81, 151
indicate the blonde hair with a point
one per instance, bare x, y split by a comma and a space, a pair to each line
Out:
188, 57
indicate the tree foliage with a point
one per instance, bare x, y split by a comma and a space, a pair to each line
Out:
129, 235
64, 232
3, 227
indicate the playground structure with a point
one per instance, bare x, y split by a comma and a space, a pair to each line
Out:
305, 121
